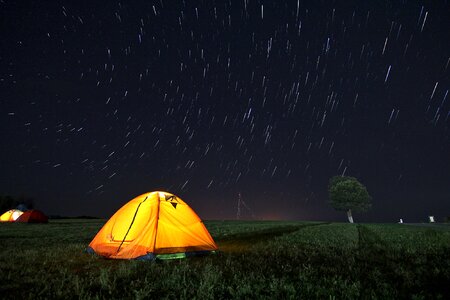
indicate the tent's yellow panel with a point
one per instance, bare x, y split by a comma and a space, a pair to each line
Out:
136, 212
121, 237
181, 230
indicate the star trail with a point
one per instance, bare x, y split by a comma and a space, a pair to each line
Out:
208, 99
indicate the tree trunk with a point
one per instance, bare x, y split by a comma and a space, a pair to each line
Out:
349, 216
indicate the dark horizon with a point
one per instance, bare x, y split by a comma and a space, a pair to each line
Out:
100, 104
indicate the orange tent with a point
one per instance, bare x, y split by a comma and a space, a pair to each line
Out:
32, 216
153, 225
10, 215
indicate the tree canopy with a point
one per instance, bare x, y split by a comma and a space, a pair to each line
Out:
347, 193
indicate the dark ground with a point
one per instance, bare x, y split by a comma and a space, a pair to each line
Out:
256, 260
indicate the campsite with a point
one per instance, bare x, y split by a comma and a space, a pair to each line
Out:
223, 149
256, 259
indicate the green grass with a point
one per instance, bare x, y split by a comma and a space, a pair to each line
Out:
284, 260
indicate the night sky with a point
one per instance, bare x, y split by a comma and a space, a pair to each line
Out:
103, 101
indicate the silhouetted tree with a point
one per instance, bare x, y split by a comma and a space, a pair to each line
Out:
347, 194
6, 203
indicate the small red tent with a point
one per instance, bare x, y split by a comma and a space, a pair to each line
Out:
32, 216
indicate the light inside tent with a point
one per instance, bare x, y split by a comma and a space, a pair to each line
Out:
16, 214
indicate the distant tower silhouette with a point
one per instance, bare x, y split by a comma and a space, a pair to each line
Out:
239, 205
238, 213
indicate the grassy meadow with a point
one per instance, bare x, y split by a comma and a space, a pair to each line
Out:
257, 259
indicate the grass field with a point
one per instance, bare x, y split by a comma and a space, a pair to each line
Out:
257, 260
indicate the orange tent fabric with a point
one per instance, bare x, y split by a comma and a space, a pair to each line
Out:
10, 215
151, 226
32, 216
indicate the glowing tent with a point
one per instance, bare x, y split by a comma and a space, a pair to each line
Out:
32, 216
153, 225
10, 215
